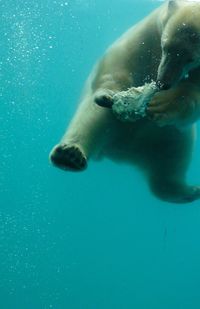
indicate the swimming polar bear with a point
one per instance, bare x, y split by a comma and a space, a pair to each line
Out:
164, 47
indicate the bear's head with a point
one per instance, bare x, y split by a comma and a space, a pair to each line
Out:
180, 42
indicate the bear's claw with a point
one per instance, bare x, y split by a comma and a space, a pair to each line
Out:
68, 157
191, 194
104, 98
194, 195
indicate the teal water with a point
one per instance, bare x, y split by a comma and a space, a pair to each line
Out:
94, 240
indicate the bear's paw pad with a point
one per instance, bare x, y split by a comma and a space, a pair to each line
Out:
68, 157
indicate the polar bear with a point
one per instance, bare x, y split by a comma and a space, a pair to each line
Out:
164, 47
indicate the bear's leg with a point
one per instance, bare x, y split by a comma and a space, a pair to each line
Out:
174, 190
84, 136
168, 167
110, 83
92, 124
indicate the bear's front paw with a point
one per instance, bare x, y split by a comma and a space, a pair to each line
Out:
166, 108
104, 98
68, 157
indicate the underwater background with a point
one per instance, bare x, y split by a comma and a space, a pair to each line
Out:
92, 240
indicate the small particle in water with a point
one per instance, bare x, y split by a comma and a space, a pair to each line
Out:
65, 3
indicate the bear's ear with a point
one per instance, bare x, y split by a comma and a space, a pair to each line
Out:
172, 6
